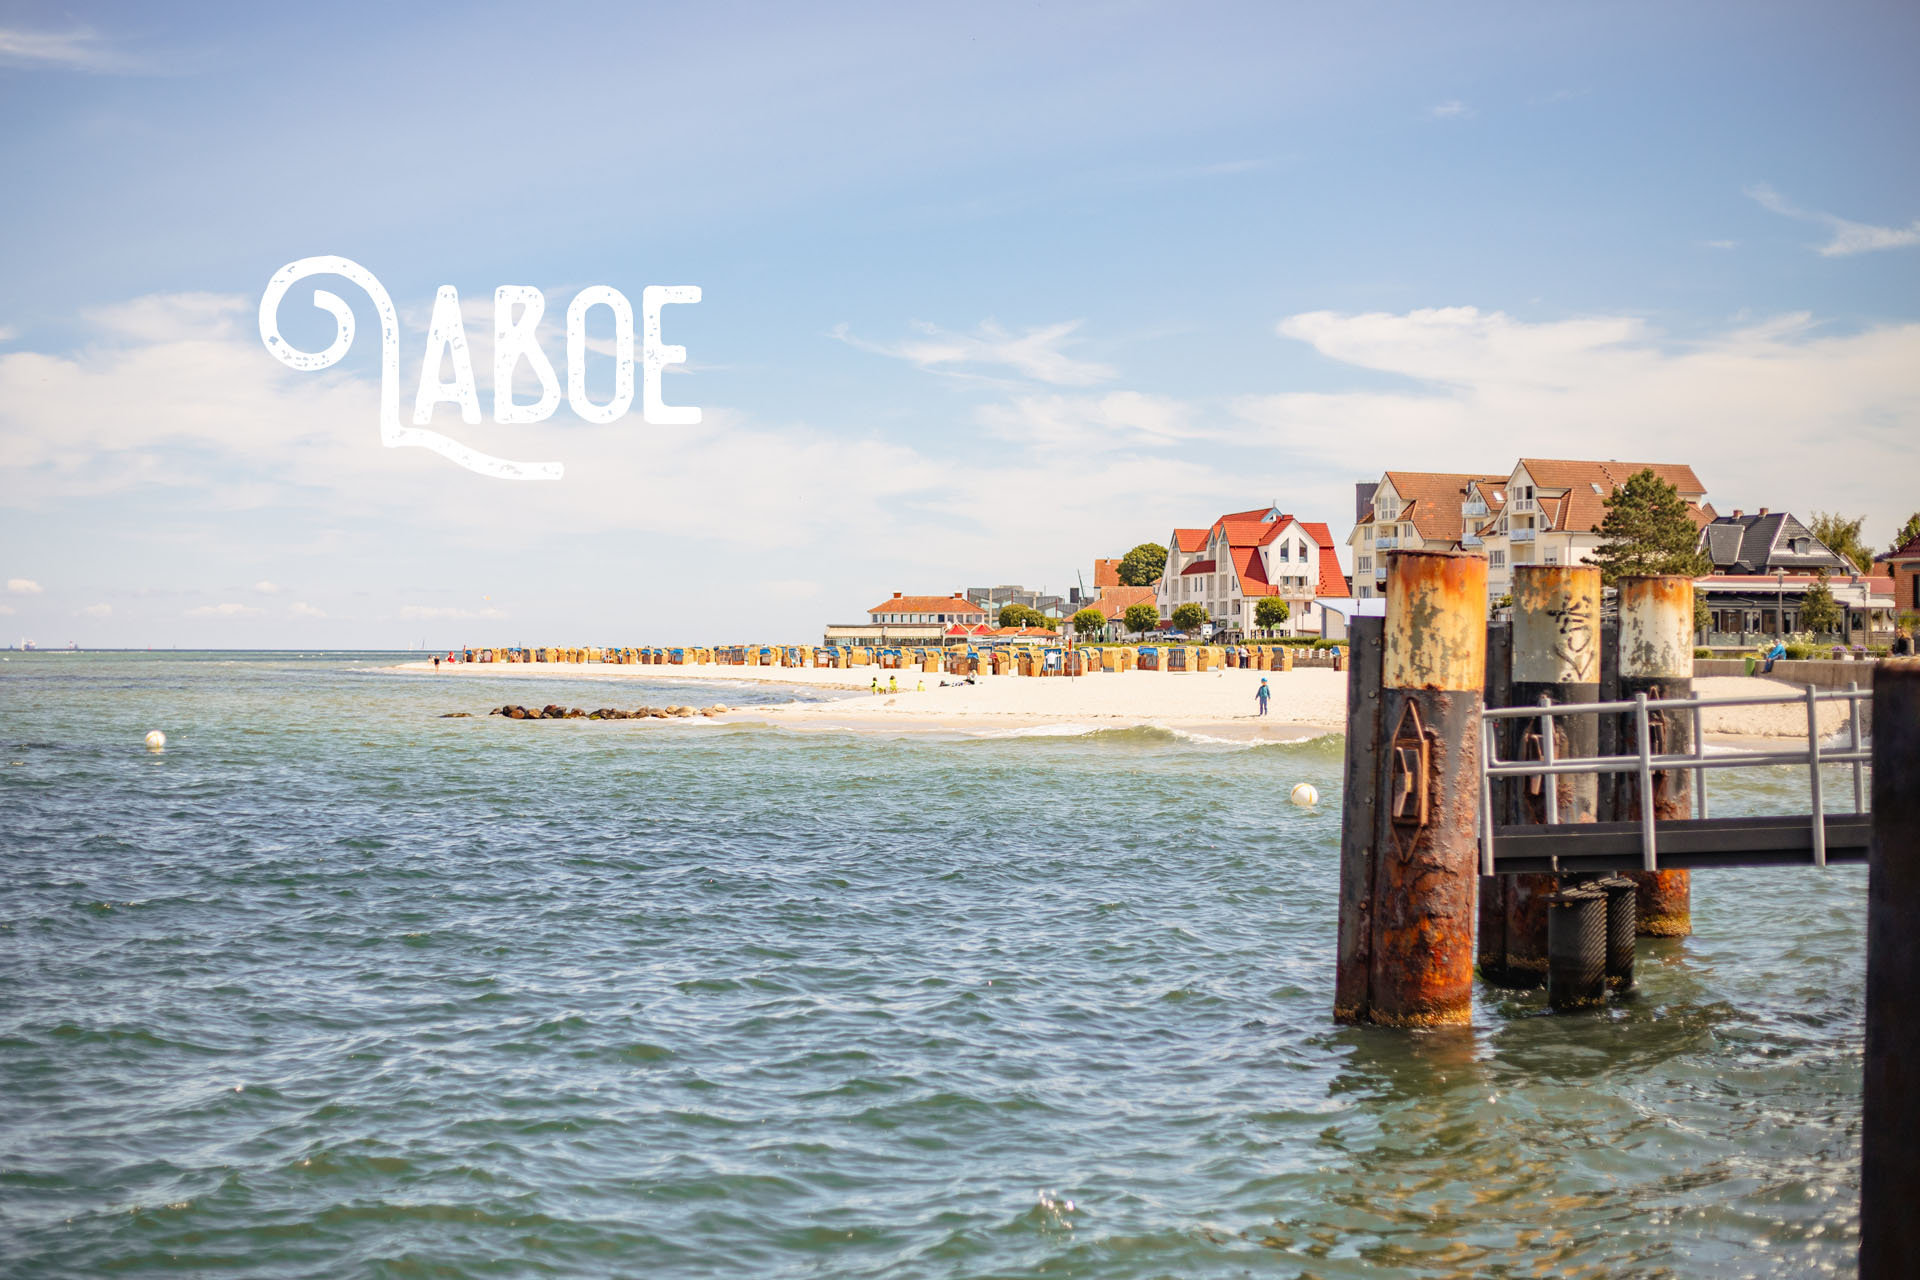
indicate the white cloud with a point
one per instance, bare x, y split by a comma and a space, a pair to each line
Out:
78, 50
1451, 109
229, 609
1719, 244
97, 611
8, 333
23, 586
1777, 414
1849, 237
267, 588
422, 612
300, 609
1108, 420
1036, 354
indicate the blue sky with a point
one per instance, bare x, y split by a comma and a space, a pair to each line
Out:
988, 291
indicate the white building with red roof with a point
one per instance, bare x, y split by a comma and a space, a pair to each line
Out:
1246, 556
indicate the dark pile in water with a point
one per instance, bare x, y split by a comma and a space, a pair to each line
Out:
554, 711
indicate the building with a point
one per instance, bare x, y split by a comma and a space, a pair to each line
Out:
1245, 556
906, 619
1902, 567
1748, 608
1765, 541
1106, 573
1417, 511
1553, 507
1113, 603
994, 599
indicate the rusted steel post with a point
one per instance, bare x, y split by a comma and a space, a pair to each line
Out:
1656, 658
1889, 1156
1426, 860
1358, 805
1490, 937
1556, 658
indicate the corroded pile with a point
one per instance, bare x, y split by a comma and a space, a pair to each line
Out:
554, 711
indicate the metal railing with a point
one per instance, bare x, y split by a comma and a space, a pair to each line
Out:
1520, 533
1644, 762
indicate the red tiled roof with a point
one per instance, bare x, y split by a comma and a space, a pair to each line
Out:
1106, 573
1115, 601
1252, 571
1190, 540
1198, 566
1431, 500
1332, 581
927, 604
1589, 484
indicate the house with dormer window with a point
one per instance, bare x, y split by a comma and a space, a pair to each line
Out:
1246, 556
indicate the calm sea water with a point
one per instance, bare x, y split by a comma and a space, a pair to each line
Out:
334, 987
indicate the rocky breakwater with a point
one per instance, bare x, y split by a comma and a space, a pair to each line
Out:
553, 711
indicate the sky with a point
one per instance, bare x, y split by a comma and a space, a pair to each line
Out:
988, 291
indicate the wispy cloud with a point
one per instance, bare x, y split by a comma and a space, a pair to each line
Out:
23, 586
301, 609
267, 588
8, 333
1849, 237
1719, 244
97, 611
1038, 354
229, 609
1451, 109
76, 50
422, 612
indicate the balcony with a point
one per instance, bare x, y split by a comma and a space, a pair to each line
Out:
1471, 509
1385, 544
1518, 534
1469, 539
1523, 504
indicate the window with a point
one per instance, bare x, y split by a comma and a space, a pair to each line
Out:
1496, 559
1366, 563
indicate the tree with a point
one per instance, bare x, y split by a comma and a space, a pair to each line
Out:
1702, 616
1089, 622
1269, 612
1142, 566
1647, 530
1141, 618
1907, 533
1189, 617
1019, 615
1842, 537
1818, 612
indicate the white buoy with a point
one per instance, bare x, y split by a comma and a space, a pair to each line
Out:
156, 740
1304, 795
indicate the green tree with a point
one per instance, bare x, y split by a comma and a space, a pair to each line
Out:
1702, 616
1647, 530
1269, 612
1907, 532
1019, 615
1818, 612
1842, 537
1142, 566
1141, 618
1189, 617
1089, 622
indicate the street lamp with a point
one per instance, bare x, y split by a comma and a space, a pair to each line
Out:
1780, 602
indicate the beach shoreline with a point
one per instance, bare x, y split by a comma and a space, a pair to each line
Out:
1209, 705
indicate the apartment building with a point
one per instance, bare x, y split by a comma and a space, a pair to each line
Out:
1553, 509
1417, 511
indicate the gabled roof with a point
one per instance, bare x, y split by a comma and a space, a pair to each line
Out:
1106, 573
1760, 543
1190, 540
1911, 547
1198, 566
1332, 581
927, 604
1115, 601
1431, 500
1589, 484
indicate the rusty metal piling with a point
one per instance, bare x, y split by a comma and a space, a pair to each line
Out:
1421, 863
1889, 1156
1656, 660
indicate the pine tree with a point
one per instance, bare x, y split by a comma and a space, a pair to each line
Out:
1647, 531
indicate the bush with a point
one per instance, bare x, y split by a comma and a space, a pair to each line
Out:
1703, 653
1189, 618
1089, 622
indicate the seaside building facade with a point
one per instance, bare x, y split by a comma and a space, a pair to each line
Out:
1554, 507
906, 619
1246, 556
1418, 511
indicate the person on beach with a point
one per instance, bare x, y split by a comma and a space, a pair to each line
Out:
1902, 644
876, 684
1774, 655
893, 684
1261, 695
436, 662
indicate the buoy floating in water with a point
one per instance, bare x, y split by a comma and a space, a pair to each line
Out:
1304, 795
156, 740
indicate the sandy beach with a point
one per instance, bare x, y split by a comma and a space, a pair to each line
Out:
1216, 704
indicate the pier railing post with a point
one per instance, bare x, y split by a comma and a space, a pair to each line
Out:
1889, 1156
1357, 809
1656, 659
1556, 661
1490, 937
1425, 856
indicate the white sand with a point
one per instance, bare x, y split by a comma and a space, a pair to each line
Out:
1306, 701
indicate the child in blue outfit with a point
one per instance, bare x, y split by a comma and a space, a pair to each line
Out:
1262, 694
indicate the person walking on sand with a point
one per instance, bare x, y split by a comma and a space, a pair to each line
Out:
1261, 695
893, 684
876, 684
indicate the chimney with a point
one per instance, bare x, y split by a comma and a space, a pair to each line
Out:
896, 595
1763, 511
1362, 499
1737, 513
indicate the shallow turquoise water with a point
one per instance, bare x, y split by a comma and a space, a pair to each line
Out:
336, 987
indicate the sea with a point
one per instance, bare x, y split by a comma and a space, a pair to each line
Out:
335, 986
